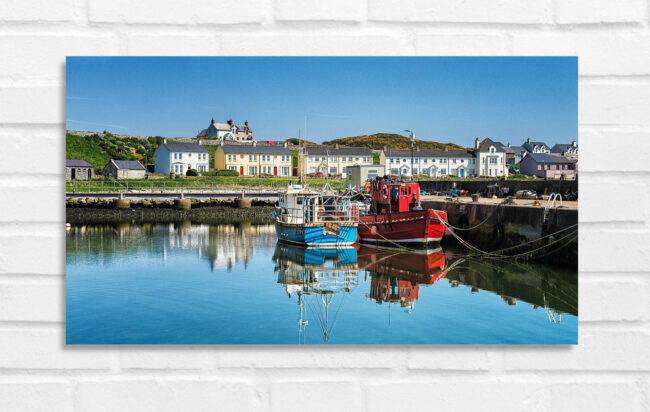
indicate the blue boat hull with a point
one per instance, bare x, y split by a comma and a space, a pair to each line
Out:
315, 235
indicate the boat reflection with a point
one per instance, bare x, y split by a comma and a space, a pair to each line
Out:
316, 276
396, 275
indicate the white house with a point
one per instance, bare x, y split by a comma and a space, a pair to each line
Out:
432, 163
227, 131
179, 157
490, 158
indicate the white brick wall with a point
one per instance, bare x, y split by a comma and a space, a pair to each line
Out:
609, 370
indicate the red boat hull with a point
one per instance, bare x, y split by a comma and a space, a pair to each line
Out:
414, 227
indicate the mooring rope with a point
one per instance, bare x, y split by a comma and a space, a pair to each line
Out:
498, 253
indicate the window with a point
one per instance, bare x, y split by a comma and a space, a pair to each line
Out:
175, 155
333, 170
250, 158
311, 158
444, 171
254, 157
394, 171
285, 171
372, 173
356, 158
493, 160
232, 167
180, 155
312, 170
349, 159
454, 161
252, 170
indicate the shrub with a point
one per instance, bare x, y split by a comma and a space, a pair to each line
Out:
192, 172
226, 172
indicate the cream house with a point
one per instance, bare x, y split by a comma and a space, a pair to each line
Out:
253, 159
490, 158
333, 160
227, 131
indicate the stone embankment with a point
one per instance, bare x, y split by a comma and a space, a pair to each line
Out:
93, 210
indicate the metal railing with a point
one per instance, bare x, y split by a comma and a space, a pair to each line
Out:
343, 213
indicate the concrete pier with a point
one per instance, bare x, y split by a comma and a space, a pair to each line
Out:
511, 225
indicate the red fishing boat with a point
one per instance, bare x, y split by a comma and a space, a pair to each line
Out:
395, 216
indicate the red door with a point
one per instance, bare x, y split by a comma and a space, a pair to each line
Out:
275, 170
241, 170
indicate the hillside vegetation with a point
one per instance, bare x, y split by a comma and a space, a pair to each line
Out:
99, 149
377, 141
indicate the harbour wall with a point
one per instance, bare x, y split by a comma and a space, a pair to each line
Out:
504, 226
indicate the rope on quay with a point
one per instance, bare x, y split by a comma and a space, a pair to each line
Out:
479, 224
498, 254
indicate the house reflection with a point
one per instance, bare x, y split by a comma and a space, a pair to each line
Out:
316, 277
223, 246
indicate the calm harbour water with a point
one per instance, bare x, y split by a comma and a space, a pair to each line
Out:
233, 284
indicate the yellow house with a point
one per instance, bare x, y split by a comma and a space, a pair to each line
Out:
254, 159
315, 159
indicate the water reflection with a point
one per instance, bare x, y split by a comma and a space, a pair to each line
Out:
343, 295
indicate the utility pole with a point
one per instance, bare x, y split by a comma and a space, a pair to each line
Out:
412, 135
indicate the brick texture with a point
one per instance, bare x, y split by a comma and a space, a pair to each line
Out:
609, 368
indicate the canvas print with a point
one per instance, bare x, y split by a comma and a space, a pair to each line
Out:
321, 200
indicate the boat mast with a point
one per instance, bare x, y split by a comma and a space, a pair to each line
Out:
412, 135
327, 187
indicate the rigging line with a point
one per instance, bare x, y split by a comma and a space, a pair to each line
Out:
497, 252
485, 220
534, 250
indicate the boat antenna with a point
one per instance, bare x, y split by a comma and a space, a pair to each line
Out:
412, 135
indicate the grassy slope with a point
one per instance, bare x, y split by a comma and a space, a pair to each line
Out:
80, 147
393, 141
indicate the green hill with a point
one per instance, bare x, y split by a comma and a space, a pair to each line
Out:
392, 141
99, 149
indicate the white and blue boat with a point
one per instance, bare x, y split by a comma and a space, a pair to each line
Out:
308, 217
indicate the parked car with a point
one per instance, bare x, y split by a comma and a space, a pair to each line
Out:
526, 194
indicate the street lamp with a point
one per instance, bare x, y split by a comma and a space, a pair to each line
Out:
412, 135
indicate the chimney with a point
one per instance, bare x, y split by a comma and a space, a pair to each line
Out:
336, 146
528, 140
476, 143
508, 144
165, 140
254, 143
574, 144
446, 148
246, 123
230, 122
285, 144
417, 148
198, 141
385, 148
212, 120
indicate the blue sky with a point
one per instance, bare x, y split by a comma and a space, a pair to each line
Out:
446, 99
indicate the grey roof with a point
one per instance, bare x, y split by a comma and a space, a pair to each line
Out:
129, 164
485, 145
202, 133
258, 149
340, 151
427, 153
185, 147
548, 158
242, 128
77, 163
515, 149
561, 148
